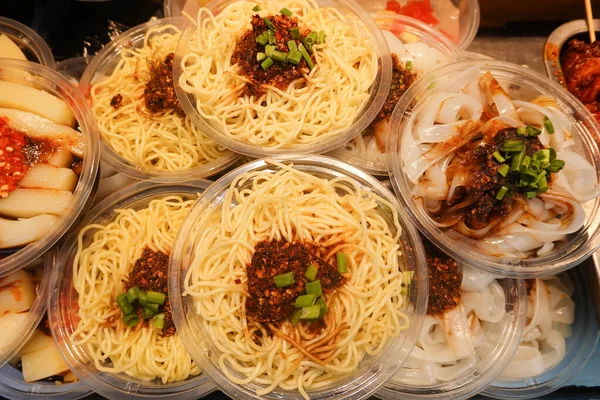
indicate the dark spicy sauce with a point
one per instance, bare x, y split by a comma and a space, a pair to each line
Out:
268, 303
581, 72
444, 280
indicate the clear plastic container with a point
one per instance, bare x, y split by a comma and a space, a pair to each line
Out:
487, 368
73, 68
36, 312
378, 91
52, 82
412, 30
521, 83
102, 65
579, 348
63, 317
457, 19
174, 8
13, 386
30, 43
374, 370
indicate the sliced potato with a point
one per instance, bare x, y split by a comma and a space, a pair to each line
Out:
9, 324
46, 176
9, 49
17, 293
43, 364
27, 203
39, 341
21, 232
62, 159
39, 127
26, 98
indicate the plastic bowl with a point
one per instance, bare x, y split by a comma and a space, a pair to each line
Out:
73, 68
579, 348
63, 317
30, 43
12, 384
461, 33
36, 312
487, 368
101, 66
174, 8
521, 83
423, 33
378, 91
374, 370
50, 81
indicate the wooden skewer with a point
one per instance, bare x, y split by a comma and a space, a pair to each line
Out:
590, 20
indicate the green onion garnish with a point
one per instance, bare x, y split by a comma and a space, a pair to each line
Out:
556, 165
535, 165
279, 56
292, 45
498, 157
501, 193
131, 319
513, 146
294, 57
147, 313
305, 300
409, 65
321, 38
504, 170
311, 312
528, 175
266, 64
548, 125
152, 307
159, 321
262, 39
269, 24
296, 317
123, 304
311, 38
314, 288
526, 163
522, 131
517, 160
311, 272
533, 131
323, 307
260, 57
295, 33
286, 12
542, 155
257, 8
155, 297
306, 56
284, 280
133, 294
542, 183
530, 195
342, 263
269, 49
272, 37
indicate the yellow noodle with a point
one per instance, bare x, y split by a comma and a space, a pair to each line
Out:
99, 271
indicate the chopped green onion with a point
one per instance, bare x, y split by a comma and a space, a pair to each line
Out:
131, 319
321, 38
147, 313
517, 160
283, 280
513, 146
257, 8
123, 304
269, 49
556, 165
292, 45
272, 37
409, 65
269, 24
542, 155
311, 312
552, 153
279, 56
522, 131
542, 182
548, 125
262, 39
152, 307
535, 165
295, 33
504, 170
159, 321
133, 294
306, 56
294, 57
311, 272
155, 297
314, 288
286, 12
296, 317
260, 57
498, 157
266, 64
323, 307
528, 176
530, 195
526, 163
533, 131
305, 300
311, 38
342, 263
501, 193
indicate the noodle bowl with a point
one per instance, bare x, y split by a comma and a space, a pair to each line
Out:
303, 202
313, 111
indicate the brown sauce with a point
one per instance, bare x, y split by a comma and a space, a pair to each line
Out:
444, 280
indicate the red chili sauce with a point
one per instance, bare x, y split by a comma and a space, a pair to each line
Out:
444, 280
581, 70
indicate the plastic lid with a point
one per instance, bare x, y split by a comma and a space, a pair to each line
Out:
32, 44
